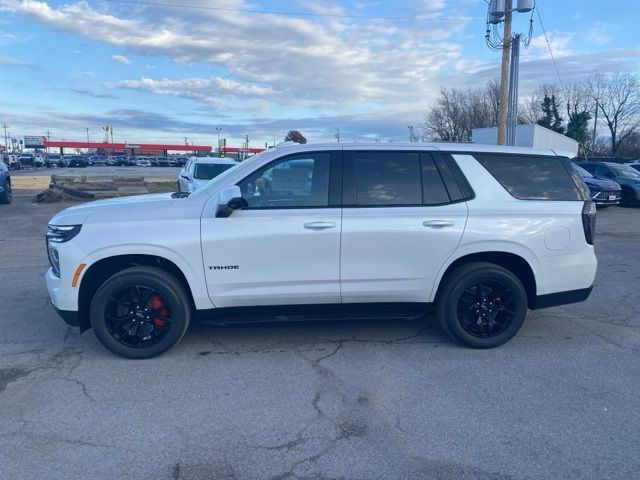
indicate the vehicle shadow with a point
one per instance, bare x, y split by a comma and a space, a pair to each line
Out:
318, 335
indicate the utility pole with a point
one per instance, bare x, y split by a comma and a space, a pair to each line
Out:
410, 127
338, 134
87, 134
504, 75
502, 11
514, 73
111, 133
48, 133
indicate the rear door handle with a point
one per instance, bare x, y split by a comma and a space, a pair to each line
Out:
319, 225
438, 223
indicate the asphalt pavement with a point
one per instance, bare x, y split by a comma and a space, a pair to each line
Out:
98, 171
330, 400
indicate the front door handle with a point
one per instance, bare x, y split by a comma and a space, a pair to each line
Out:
319, 225
438, 223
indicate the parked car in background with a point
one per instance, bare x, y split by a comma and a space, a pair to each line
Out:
77, 161
634, 165
603, 192
12, 161
97, 160
627, 177
143, 162
6, 194
180, 160
27, 160
54, 160
199, 170
163, 161
38, 160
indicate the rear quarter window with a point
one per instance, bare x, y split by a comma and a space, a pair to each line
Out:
530, 177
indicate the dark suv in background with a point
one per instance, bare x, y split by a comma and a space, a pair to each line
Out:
603, 192
627, 177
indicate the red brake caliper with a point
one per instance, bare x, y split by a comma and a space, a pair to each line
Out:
156, 302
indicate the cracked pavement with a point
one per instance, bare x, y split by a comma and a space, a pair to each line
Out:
327, 400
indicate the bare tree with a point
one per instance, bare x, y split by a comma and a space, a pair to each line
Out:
458, 112
617, 98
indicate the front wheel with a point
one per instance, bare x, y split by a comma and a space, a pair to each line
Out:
482, 305
140, 312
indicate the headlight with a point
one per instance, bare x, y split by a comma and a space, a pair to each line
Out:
59, 234
62, 233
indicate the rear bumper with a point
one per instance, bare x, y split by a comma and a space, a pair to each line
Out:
561, 298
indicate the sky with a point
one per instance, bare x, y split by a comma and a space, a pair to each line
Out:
163, 70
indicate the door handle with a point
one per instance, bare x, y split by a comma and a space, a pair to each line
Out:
438, 223
319, 225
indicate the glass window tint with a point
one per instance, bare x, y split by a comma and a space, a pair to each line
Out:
387, 178
433, 189
602, 171
207, 171
298, 181
531, 177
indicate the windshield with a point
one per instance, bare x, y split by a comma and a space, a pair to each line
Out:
207, 171
583, 173
53, 157
626, 172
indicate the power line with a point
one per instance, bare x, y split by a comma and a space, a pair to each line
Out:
292, 14
555, 65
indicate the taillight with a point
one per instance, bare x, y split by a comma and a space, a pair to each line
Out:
589, 221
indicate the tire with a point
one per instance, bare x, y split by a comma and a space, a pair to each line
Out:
504, 316
113, 324
628, 198
7, 196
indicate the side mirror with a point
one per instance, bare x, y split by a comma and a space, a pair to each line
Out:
229, 199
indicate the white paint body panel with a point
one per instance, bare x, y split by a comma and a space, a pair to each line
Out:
375, 266
371, 255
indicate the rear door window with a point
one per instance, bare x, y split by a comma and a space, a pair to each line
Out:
529, 177
387, 178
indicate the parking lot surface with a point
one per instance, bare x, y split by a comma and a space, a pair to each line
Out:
339, 400
156, 172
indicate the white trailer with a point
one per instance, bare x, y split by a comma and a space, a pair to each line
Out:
530, 135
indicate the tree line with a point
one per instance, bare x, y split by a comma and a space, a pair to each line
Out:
611, 103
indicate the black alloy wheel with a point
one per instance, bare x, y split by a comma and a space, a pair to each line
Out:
137, 316
481, 305
140, 312
485, 308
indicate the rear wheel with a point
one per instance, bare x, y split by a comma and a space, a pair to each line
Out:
482, 305
140, 312
7, 196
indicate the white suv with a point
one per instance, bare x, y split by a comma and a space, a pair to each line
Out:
480, 234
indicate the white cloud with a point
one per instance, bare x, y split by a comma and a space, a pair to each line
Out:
121, 59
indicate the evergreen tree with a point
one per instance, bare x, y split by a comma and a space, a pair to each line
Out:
551, 119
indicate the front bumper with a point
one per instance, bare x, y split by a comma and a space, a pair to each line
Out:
607, 198
70, 317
